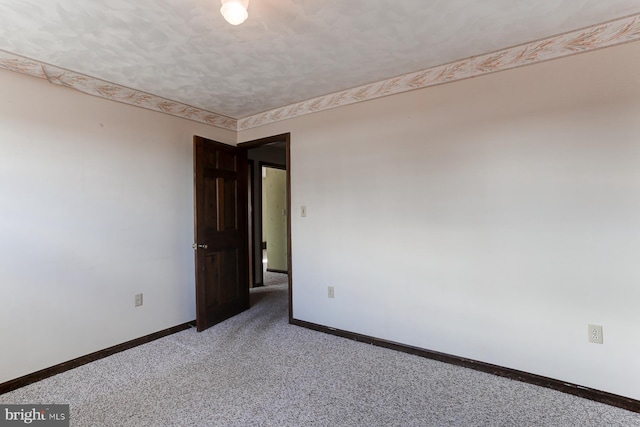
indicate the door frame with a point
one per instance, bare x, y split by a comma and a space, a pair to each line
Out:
286, 138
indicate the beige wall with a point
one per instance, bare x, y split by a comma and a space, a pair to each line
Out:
96, 205
275, 219
491, 218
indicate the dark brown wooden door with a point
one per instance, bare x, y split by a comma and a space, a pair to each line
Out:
222, 288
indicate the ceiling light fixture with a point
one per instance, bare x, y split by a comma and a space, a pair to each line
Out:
234, 11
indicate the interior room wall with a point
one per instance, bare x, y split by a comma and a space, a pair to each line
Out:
492, 218
96, 205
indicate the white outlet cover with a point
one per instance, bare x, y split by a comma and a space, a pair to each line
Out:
595, 334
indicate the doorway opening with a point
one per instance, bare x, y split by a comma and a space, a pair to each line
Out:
274, 224
269, 185
274, 219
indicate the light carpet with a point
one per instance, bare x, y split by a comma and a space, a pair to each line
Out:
257, 370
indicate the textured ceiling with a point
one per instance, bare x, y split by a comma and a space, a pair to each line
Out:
287, 51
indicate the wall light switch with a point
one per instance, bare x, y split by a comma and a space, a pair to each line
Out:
138, 300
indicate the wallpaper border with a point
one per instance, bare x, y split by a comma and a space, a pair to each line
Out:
619, 31
111, 91
608, 34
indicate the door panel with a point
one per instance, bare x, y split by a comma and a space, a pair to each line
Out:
230, 189
222, 289
222, 267
210, 214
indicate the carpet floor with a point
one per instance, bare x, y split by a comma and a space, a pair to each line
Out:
257, 370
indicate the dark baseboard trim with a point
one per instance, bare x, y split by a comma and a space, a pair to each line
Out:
258, 285
83, 360
574, 389
273, 270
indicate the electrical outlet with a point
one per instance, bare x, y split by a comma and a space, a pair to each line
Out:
595, 334
138, 301
330, 293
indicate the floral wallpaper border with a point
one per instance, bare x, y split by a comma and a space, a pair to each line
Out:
608, 34
112, 91
611, 33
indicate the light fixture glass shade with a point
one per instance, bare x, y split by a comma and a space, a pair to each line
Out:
234, 11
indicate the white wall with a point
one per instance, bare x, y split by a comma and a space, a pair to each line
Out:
96, 205
492, 218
